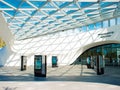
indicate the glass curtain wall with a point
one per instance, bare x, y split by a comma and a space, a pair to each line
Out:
110, 53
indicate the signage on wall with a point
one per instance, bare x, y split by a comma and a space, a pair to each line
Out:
104, 35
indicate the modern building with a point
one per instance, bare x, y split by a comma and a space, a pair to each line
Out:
70, 30
77, 41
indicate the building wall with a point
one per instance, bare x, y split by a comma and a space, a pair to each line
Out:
67, 46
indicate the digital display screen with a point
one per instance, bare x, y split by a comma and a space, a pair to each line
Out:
38, 63
54, 59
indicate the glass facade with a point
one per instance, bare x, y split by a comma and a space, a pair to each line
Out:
101, 24
112, 22
110, 52
105, 24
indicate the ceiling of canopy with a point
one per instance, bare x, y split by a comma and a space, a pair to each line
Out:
31, 18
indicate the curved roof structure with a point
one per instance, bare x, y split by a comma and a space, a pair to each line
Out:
30, 18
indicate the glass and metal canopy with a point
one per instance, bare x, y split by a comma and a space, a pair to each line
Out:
30, 18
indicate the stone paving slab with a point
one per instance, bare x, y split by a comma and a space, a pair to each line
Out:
72, 77
56, 86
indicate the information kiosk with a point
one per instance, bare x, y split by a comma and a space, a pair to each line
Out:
23, 63
54, 61
40, 65
100, 65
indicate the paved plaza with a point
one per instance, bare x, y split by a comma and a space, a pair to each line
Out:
73, 77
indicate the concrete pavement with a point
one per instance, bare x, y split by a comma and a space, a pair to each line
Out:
73, 77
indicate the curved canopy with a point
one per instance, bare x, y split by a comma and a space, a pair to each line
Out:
30, 18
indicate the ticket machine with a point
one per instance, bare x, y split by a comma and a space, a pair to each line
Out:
40, 66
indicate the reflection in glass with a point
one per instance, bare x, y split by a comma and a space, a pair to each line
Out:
98, 25
112, 22
110, 52
38, 63
105, 24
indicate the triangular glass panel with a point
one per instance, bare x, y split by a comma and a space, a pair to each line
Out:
88, 11
71, 11
2, 5
15, 3
29, 11
25, 5
65, 4
85, 4
105, 4
39, 4
38, 13
12, 13
18, 13
48, 5
75, 16
73, 5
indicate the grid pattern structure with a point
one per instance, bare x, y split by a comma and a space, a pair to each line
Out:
65, 45
30, 18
